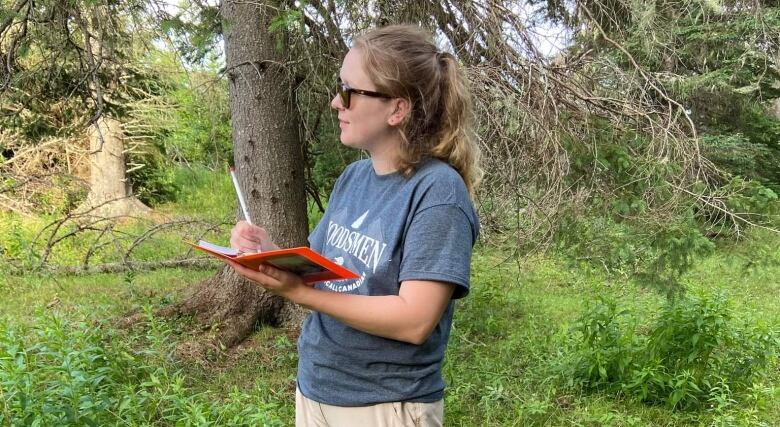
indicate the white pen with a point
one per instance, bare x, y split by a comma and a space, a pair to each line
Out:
241, 200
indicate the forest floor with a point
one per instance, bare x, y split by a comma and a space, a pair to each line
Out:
500, 366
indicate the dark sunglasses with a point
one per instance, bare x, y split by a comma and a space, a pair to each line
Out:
346, 93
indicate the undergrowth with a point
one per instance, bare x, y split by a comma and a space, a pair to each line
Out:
76, 373
697, 353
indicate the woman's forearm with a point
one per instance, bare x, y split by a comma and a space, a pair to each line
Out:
390, 316
409, 316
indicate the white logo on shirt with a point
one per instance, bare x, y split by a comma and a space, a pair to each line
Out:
358, 222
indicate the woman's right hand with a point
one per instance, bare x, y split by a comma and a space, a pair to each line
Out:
247, 237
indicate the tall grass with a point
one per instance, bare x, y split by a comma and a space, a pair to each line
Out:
67, 372
508, 341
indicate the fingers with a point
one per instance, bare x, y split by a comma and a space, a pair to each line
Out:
273, 279
266, 275
265, 239
276, 275
249, 238
258, 276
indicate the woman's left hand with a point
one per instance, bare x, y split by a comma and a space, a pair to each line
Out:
280, 282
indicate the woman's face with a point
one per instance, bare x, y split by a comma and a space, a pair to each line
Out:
366, 123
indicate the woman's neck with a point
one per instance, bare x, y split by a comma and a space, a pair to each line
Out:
385, 157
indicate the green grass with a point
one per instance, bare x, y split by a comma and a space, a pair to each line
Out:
505, 343
77, 372
203, 193
102, 295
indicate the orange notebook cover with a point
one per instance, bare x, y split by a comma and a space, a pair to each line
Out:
303, 261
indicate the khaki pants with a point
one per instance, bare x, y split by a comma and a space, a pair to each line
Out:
309, 413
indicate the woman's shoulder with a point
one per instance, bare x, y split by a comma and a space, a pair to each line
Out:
439, 174
438, 183
440, 186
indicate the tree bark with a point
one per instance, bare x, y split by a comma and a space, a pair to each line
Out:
775, 103
269, 159
110, 194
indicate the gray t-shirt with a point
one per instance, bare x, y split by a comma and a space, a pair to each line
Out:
387, 228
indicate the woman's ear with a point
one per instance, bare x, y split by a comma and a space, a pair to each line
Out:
400, 111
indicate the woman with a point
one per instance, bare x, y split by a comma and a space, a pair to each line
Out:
371, 351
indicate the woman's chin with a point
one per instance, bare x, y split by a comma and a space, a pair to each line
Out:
349, 142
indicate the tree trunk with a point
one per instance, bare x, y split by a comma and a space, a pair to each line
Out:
269, 159
110, 194
775, 107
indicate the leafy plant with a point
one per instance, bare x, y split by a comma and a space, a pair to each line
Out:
696, 354
63, 372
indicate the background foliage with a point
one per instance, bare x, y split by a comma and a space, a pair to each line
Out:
646, 151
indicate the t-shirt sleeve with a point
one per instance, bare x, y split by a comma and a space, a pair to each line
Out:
438, 247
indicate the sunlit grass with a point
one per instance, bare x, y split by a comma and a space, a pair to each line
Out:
506, 336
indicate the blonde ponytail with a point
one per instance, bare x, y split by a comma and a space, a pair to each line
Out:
456, 142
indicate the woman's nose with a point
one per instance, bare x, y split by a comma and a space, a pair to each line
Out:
335, 103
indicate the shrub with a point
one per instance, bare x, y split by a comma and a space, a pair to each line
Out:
63, 373
697, 354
